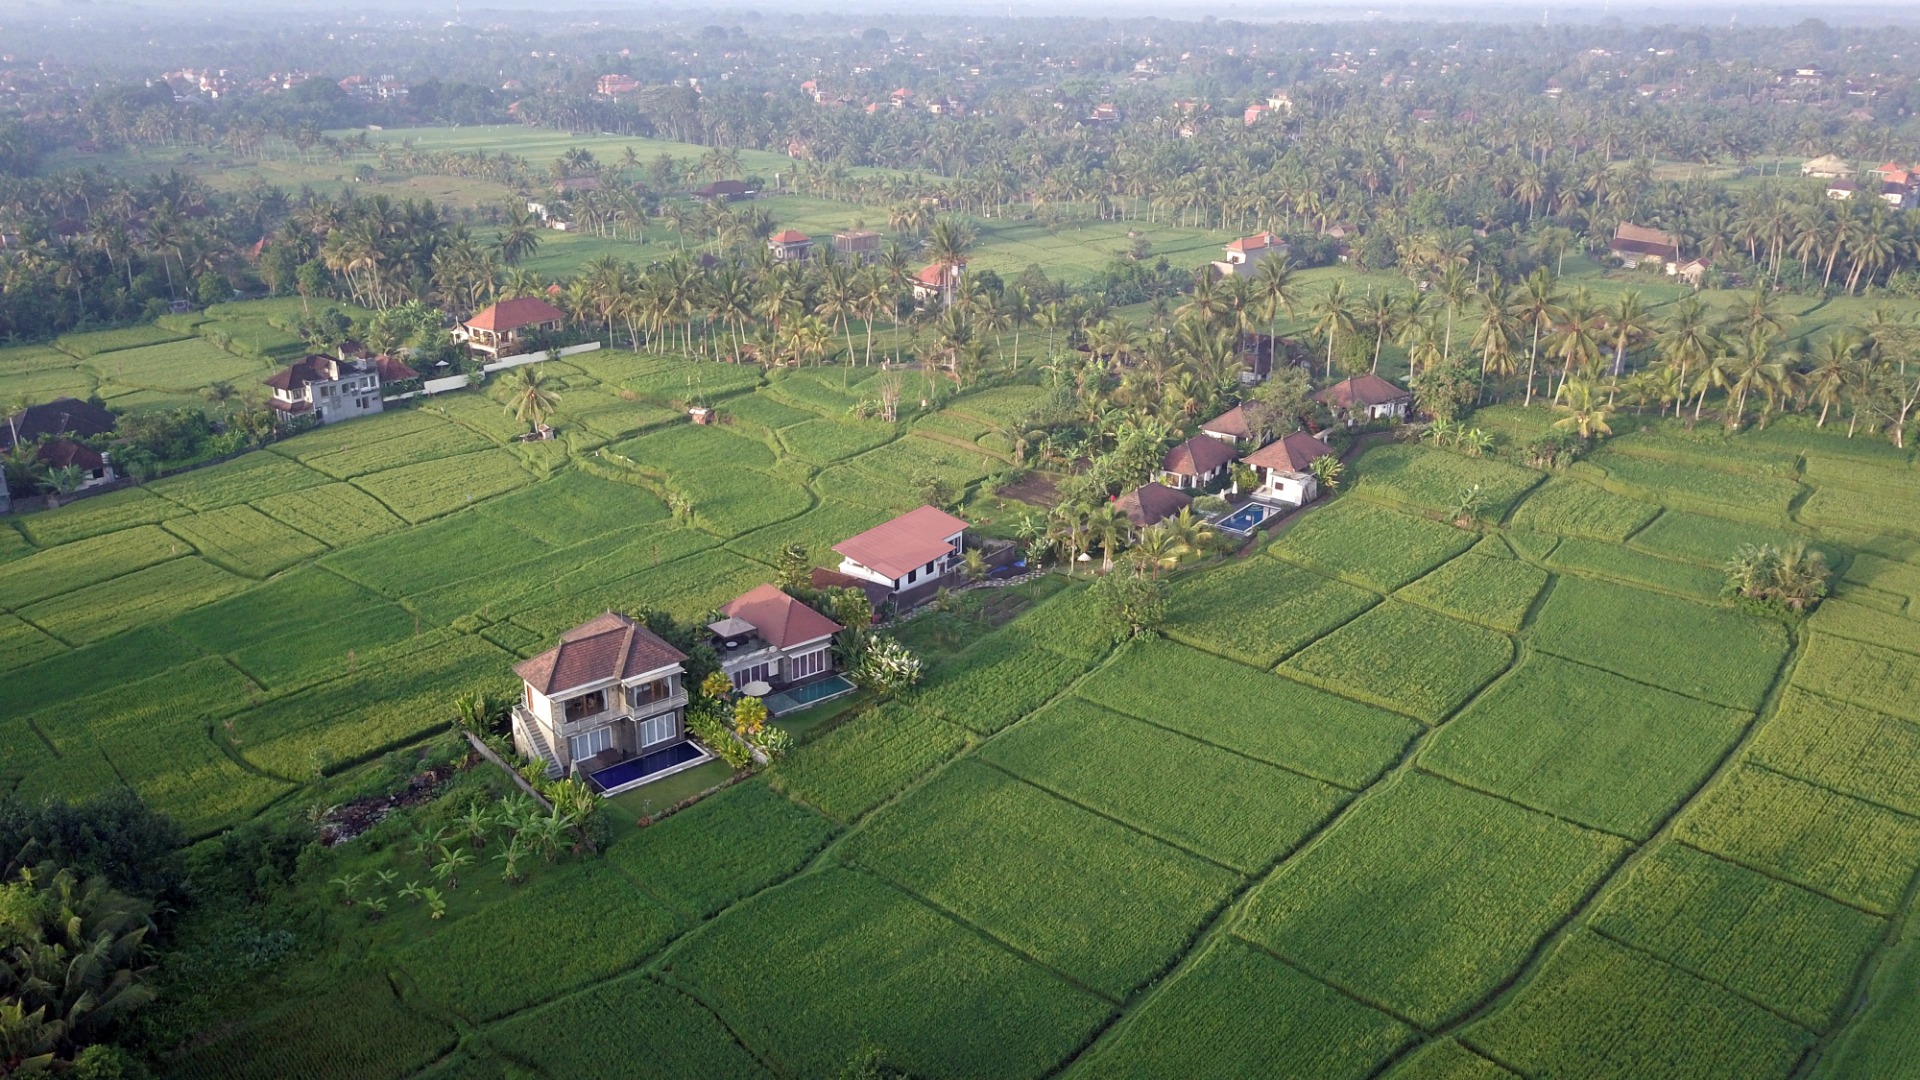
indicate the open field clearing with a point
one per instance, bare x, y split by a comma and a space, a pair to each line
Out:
1867, 623
246, 479
1191, 794
862, 763
1776, 944
432, 488
1601, 1010
1043, 875
721, 850
86, 562
813, 972
1847, 507
1448, 1059
1630, 567
1871, 676
1572, 508
1708, 541
97, 612
321, 1031
1834, 844
1405, 658
1691, 486
996, 681
1238, 1011
1426, 896
180, 367
598, 925
1582, 744
1259, 610
98, 516
614, 1024
1398, 547
1703, 652
1885, 1039
1494, 592
1435, 481
334, 514
1847, 748
1251, 712
245, 541
1885, 576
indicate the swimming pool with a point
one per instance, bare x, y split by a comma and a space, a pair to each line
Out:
1246, 519
813, 693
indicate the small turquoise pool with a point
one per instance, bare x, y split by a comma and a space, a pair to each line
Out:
812, 693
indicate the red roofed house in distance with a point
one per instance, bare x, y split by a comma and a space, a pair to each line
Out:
500, 329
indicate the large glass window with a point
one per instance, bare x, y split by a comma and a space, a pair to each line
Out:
593, 742
586, 705
813, 663
657, 730
648, 693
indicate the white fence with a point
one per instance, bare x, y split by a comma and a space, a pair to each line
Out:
459, 382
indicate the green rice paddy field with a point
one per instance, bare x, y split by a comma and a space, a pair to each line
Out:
1389, 799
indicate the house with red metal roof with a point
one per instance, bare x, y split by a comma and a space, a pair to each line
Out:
911, 555
937, 281
501, 329
1245, 254
1285, 469
790, 245
1366, 397
1197, 462
766, 636
607, 704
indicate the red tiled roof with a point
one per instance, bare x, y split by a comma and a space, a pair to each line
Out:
1153, 502
790, 236
609, 647
1198, 456
314, 368
1232, 423
904, 544
1256, 242
392, 371
514, 314
1294, 454
938, 275
1637, 240
1367, 389
783, 621
64, 452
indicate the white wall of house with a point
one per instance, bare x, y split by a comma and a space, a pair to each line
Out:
1294, 489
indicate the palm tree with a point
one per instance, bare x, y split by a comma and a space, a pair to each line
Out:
1381, 314
948, 244
1538, 307
1627, 325
1333, 316
1835, 370
1274, 286
1686, 339
1109, 528
520, 237
529, 400
1584, 407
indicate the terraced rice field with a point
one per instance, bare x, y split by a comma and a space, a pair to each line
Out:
1391, 798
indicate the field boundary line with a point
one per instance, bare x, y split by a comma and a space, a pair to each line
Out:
982, 932
1284, 767
1511, 801
1702, 976
1755, 712
1123, 823
1352, 995
33, 725
1817, 785
1580, 914
1774, 875
1798, 689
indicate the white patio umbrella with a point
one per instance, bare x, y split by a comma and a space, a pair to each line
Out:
757, 688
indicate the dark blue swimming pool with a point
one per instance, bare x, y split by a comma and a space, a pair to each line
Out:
1245, 519
634, 770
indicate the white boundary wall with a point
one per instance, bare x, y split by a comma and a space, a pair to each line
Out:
459, 382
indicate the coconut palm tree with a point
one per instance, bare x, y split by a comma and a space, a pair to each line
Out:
529, 400
1333, 316
1584, 409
